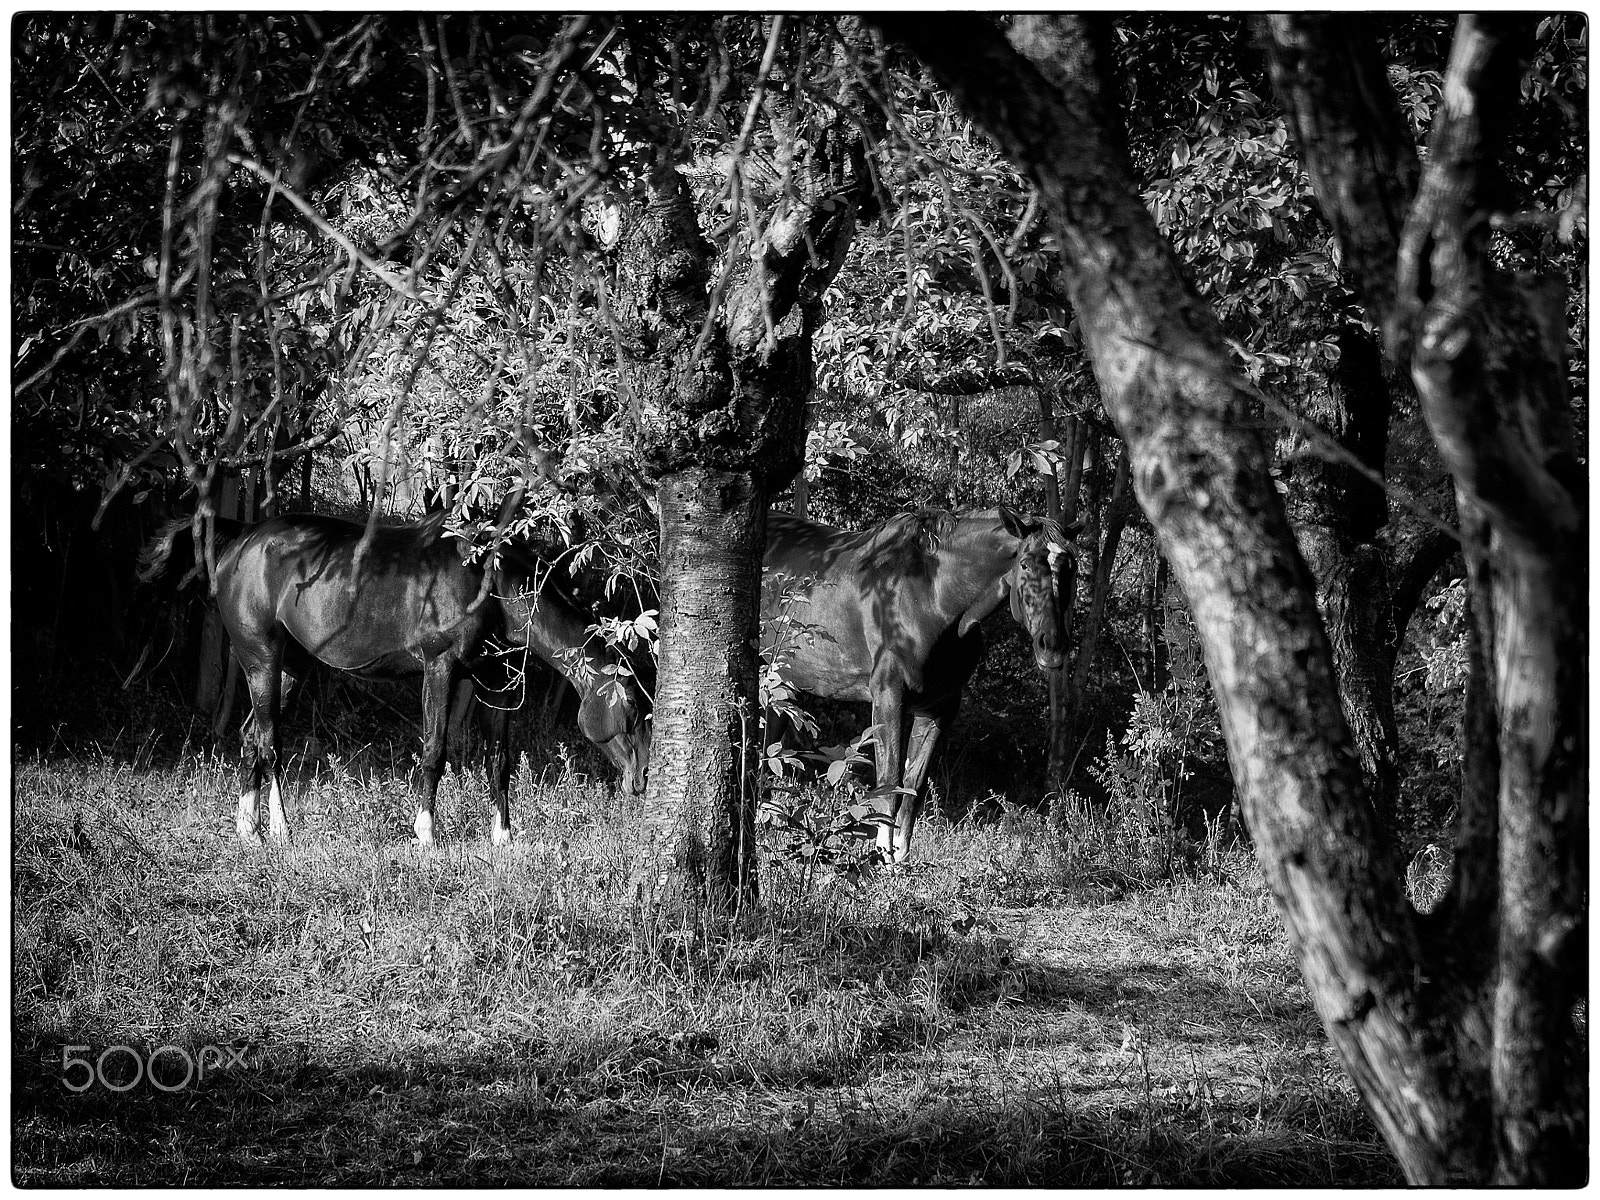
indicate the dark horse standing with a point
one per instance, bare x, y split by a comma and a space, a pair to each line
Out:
889, 616
289, 590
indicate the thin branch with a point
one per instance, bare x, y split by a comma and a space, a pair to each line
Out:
275, 180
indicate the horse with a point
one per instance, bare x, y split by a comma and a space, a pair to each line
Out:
889, 616
291, 590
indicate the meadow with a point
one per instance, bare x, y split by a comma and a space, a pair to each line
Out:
1026, 1003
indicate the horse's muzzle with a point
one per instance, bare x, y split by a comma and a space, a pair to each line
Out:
1049, 658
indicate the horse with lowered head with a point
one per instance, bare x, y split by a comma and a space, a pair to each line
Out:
889, 616
294, 589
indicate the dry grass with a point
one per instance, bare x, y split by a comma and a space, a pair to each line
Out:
1005, 1012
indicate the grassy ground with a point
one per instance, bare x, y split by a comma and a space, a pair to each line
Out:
1015, 1008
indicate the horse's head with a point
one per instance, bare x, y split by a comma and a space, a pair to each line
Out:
614, 719
613, 707
1041, 584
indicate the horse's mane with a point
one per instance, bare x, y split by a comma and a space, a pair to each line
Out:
1055, 531
932, 522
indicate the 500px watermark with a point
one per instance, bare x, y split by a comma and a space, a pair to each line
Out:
167, 1068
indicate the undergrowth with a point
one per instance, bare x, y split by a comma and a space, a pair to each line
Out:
1016, 1007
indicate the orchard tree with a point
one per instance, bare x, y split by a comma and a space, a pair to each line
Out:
715, 342
1485, 349
425, 221
1472, 1074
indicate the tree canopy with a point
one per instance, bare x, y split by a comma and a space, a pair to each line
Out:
612, 283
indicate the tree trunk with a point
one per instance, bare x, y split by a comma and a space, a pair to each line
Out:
1202, 474
713, 528
1338, 514
686, 412
1061, 504
1157, 618
1104, 540
1486, 355
718, 398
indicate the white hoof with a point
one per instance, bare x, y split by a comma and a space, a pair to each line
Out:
500, 835
245, 820
424, 827
279, 824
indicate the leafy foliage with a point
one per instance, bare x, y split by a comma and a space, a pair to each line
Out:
1430, 697
383, 241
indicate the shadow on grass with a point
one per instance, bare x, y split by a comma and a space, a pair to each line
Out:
672, 1115
1170, 1001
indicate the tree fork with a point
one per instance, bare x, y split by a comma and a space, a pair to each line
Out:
718, 398
1201, 474
1485, 356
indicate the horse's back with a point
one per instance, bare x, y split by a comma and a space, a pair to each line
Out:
853, 601
799, 547
300, 572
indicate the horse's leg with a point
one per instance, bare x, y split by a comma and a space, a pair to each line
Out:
926, 726
261, 672
437, 676
497, 726
251, 770
457, 737
494, 720
278, 824
889, 718
288, 691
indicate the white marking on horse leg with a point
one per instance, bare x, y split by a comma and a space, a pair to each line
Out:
279, 823
245, 820
424, 827
500, 835
886, 837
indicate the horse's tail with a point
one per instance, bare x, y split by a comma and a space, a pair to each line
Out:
154, 556
176, 537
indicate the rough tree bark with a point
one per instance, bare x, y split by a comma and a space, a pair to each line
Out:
1486, 354
718, 400
1201, 474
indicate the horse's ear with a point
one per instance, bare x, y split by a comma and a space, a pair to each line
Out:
431, 524
1015, 524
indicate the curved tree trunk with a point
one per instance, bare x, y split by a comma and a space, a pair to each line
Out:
1416, 555
1338, 514
1485, 353
1202, 475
